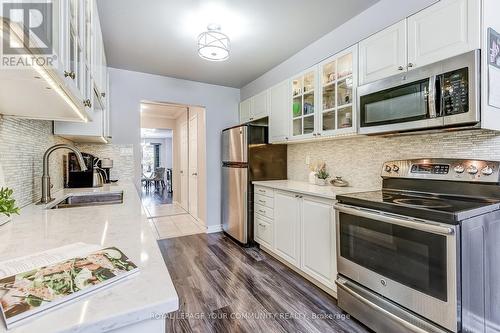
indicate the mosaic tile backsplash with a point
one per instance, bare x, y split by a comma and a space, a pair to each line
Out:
22, 145
359, 160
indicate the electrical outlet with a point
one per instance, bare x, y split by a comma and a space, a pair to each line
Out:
308, 160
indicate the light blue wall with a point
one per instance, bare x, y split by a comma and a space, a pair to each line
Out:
128, 89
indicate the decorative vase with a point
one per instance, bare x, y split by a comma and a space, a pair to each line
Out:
320, 182
4, 219
312, 177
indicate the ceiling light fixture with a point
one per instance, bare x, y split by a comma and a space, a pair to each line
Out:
213, 45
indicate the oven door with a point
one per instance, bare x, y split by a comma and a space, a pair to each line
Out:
411, 262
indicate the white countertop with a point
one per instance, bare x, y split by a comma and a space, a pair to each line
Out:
124, 226
327, 191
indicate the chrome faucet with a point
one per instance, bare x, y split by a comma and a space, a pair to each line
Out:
46, 198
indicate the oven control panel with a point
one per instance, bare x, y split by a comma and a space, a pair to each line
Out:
444, 169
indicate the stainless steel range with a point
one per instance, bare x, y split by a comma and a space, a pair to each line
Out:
423, 253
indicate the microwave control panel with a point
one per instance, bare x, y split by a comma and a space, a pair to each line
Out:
455, 92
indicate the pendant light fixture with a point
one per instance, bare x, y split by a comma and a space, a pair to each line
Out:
213, 45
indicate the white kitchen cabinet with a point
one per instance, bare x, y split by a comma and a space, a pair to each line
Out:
278, 112
383, 54
94, 78
318, 252
259, 106
338, 83
443, 30
287, 226
264, 231
303, 118
245, 108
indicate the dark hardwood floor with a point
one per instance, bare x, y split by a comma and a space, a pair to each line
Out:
152, 196
223, 287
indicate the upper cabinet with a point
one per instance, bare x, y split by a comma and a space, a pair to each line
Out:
254, 108
87, 61
383, 54
338, 82
446, 29
303, 101
278, 112
441, 31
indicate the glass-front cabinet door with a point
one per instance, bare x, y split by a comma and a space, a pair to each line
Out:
304, 89
338, 81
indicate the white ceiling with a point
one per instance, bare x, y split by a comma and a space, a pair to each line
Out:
160, 36
151, 133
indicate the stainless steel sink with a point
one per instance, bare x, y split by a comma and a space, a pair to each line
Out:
89, 199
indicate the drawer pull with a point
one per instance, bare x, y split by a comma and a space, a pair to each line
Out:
262, 191
262, 211
262, 225
262, 201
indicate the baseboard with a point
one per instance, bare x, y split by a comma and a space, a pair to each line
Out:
214, 228
199, 222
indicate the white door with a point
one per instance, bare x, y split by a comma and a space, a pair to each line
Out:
278, 112
443, 30
245, 109
259, 106
183, 133
318, 240
383, 54
286, 226
193, 166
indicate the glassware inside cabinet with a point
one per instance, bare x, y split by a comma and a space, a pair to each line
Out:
308, 82
297, 107
329, 73
329, 121
344, 92
309, 103
297, 87
344, 117
297, 126
344, 66
309, 124
329, 97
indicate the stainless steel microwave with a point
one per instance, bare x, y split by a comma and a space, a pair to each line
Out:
443, 94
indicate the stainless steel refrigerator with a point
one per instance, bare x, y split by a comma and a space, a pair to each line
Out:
246, 157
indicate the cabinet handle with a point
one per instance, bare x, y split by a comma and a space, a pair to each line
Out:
410, 65
400, 68
262, 225
318, 134
194, 174
262, 211
103, 95
72, 75
286, 138
314, 134
87, 103
263, 191
262, 201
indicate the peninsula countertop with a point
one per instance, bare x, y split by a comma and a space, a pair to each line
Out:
146, 296
326, 191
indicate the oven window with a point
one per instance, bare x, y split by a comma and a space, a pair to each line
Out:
411, 257
396, 105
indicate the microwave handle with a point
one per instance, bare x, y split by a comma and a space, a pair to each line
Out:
431, 99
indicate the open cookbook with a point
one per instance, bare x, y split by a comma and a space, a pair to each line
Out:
34, 284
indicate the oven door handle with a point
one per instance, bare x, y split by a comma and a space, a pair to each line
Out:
393, 219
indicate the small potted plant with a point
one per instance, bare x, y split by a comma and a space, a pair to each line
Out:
321, 176
7, 205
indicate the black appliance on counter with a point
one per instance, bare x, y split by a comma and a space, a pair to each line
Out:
421, 254
77, 178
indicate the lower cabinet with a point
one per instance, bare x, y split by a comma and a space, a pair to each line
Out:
303, 234
287, 226
318, 240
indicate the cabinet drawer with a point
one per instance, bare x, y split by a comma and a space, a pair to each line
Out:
268, 192
264, 211
264, 232
265, 201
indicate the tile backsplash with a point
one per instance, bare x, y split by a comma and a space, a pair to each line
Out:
22, 145
359, 160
